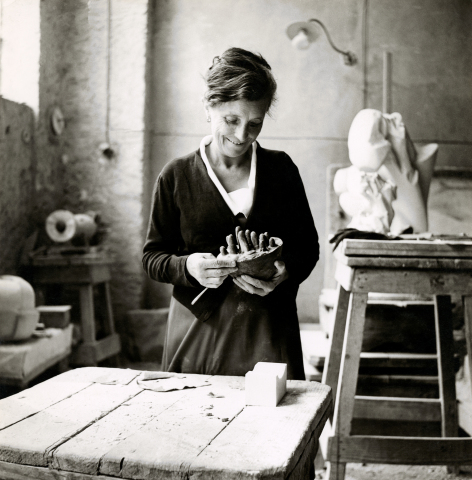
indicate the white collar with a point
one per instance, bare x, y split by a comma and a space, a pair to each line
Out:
251, 180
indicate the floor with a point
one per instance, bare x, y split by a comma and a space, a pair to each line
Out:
357, 471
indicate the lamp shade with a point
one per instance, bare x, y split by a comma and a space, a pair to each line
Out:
309, 29
301, 41
303, 33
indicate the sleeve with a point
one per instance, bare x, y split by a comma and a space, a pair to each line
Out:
301, 249
163, 252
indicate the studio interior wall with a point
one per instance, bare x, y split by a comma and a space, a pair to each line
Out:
318, 95
92, 67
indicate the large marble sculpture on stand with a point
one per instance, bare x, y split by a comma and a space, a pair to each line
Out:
386, 188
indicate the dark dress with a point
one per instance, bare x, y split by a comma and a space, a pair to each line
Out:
228, 330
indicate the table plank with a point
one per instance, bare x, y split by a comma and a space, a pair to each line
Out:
165, 447
32, 400
386, 280
12, 471
31, 440
122, 376
408, 248
406, 262
278, 435
28, 402
84, 452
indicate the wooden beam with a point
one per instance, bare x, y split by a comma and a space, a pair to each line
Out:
460, 248
12, 471
398, 360
401, 450
387, 83
429, 282
350, 357
415, 380
445, 349
422, 263
398, 408
467, 301
333, 362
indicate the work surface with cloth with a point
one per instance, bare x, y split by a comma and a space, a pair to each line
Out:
105, 423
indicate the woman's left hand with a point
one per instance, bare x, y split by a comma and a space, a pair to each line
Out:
262, 287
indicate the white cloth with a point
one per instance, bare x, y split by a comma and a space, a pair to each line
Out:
241, 200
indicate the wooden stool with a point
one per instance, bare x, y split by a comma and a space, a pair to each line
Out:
86, 271
439, 272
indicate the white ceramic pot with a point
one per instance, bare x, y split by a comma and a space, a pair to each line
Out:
18, 315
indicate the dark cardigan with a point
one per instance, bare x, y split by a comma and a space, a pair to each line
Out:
188, 215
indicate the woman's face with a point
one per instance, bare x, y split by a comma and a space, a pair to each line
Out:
235, 125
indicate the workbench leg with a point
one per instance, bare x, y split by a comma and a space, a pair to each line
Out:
87, 314
445, 354
62, 366
333, 360
467, 301
109, 309
349, 370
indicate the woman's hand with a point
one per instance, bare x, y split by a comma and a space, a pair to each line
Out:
262, 287
208, 270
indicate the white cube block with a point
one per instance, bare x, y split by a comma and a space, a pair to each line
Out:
266, 384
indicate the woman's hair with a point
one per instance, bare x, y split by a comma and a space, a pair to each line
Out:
240, 75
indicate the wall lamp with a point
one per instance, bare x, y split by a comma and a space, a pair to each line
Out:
303, 33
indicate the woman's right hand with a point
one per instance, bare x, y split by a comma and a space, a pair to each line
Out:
208, 270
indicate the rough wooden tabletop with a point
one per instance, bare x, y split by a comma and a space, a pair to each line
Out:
98, 421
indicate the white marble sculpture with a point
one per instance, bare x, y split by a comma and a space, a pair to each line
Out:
386, 188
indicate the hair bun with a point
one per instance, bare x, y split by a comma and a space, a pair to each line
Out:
239, 74
214, 62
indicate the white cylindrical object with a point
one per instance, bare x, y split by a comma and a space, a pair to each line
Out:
62, 226
85, 225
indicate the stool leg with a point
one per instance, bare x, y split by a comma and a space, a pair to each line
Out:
87, 314
445, 354
333, 361
467, 301
349, 370
110, 320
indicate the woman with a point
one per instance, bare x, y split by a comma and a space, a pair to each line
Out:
198, 200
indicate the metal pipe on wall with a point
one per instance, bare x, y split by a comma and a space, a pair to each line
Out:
387, 83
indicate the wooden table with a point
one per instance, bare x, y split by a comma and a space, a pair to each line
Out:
438, 269
76, 426
86, 272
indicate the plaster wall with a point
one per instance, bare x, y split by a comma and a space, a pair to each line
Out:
17, 181
93, 62
318, 94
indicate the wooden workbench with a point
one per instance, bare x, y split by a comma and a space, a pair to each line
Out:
21, 362
99, 423
86, 272
438, 269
